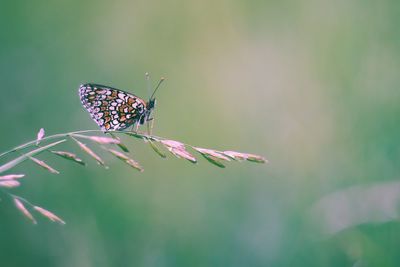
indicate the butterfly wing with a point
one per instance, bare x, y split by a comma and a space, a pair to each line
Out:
112, 109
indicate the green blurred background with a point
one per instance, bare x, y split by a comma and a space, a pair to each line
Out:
311, 85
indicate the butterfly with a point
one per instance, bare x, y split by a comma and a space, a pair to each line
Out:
114, 109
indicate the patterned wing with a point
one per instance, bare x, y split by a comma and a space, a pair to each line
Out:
110, 108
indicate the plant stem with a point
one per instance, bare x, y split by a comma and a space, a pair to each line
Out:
12, 196
54, 136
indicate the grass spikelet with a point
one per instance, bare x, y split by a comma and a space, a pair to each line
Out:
120, 144
256, 158
40, 136
44, 165
134, 164
51, 216
178, 149
212, 156
212, 153
235, 155
90, 152
123, 147
103, 140
69, 156
18, 203
155, 148
11, 176
9, 183
245, 156
213, 160
184, 154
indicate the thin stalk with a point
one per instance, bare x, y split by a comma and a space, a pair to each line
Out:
54, 136
12, 196
23, 157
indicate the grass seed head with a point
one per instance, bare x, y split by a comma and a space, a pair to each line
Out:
51, 216
69, 156
40, 135
9, 183
44, 165
11, 176
90, 152
18, 203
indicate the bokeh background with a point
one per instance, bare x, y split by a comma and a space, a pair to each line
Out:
311, 85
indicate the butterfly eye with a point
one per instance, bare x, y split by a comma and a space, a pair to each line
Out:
151, 104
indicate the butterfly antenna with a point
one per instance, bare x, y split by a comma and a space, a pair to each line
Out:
158, 85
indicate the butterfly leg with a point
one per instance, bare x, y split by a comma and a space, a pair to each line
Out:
150, 125
132, 127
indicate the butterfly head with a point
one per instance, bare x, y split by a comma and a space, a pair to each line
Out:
149, 109
151, 104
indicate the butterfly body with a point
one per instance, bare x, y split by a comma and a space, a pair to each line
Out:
113, 109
